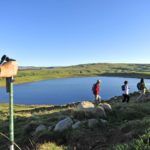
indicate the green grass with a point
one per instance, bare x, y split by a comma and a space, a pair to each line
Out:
125, 119
124, 70
142, 143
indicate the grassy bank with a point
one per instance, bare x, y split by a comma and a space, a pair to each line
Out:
127, 127
122, 70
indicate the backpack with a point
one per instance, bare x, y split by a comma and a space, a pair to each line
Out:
140, 86
123, 87
93, 88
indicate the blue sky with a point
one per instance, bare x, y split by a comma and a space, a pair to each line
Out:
70, 32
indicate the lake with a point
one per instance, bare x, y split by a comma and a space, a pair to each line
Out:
67, 90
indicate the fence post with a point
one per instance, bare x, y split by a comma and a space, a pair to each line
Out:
9, 87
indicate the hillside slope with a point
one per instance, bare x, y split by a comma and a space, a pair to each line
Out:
127, 127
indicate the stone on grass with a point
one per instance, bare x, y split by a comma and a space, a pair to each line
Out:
92, 123
40, 128
50, 128
63, 124
107, 107
103, 121
85, 106
76, 125
100, 112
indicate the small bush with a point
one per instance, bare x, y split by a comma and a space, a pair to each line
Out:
48, 146
59, 137
143, 143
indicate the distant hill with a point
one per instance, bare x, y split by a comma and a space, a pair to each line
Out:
33, 68
119, 67
32, 73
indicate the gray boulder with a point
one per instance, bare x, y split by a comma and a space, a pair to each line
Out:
76, 125
92, 123
103, 121
63, 124
107, 107
40, 128
100, 112
50, 128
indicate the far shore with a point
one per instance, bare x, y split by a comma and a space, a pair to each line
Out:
82, 70
123, 75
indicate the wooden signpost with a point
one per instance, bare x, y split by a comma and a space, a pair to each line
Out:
8, 70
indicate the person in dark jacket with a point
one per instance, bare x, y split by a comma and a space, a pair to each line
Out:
126, 96
142, 90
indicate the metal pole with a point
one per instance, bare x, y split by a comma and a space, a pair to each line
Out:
11, 112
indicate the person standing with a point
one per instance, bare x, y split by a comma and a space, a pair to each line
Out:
96, 92
125, 89
142, 90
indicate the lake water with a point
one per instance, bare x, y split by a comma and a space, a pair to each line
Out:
67, 90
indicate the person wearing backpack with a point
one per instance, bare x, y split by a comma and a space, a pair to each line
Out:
96, 91
142, 90
125, 89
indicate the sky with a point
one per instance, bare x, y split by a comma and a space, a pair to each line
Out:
71, 32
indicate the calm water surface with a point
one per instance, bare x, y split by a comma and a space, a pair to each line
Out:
67, 90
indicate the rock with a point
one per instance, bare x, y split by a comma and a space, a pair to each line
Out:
103, 121
115, 97
76, 125
92, 123
85, 106
129, 135
63, 124
40, 128
84, 122
89, 107
107, 107
100, 112
50, 128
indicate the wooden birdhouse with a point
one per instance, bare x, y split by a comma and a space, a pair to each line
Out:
8, 69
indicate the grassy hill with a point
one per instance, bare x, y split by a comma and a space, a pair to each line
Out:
32, 74
127, 127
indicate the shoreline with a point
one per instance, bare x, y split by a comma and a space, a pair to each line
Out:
121, 75
110, 100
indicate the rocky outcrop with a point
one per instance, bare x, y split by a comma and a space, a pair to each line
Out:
99, 111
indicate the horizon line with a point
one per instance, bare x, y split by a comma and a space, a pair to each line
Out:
84, 64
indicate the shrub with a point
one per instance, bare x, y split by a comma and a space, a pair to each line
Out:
47, 146
143, 143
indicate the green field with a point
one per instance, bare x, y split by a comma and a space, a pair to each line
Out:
104, 69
